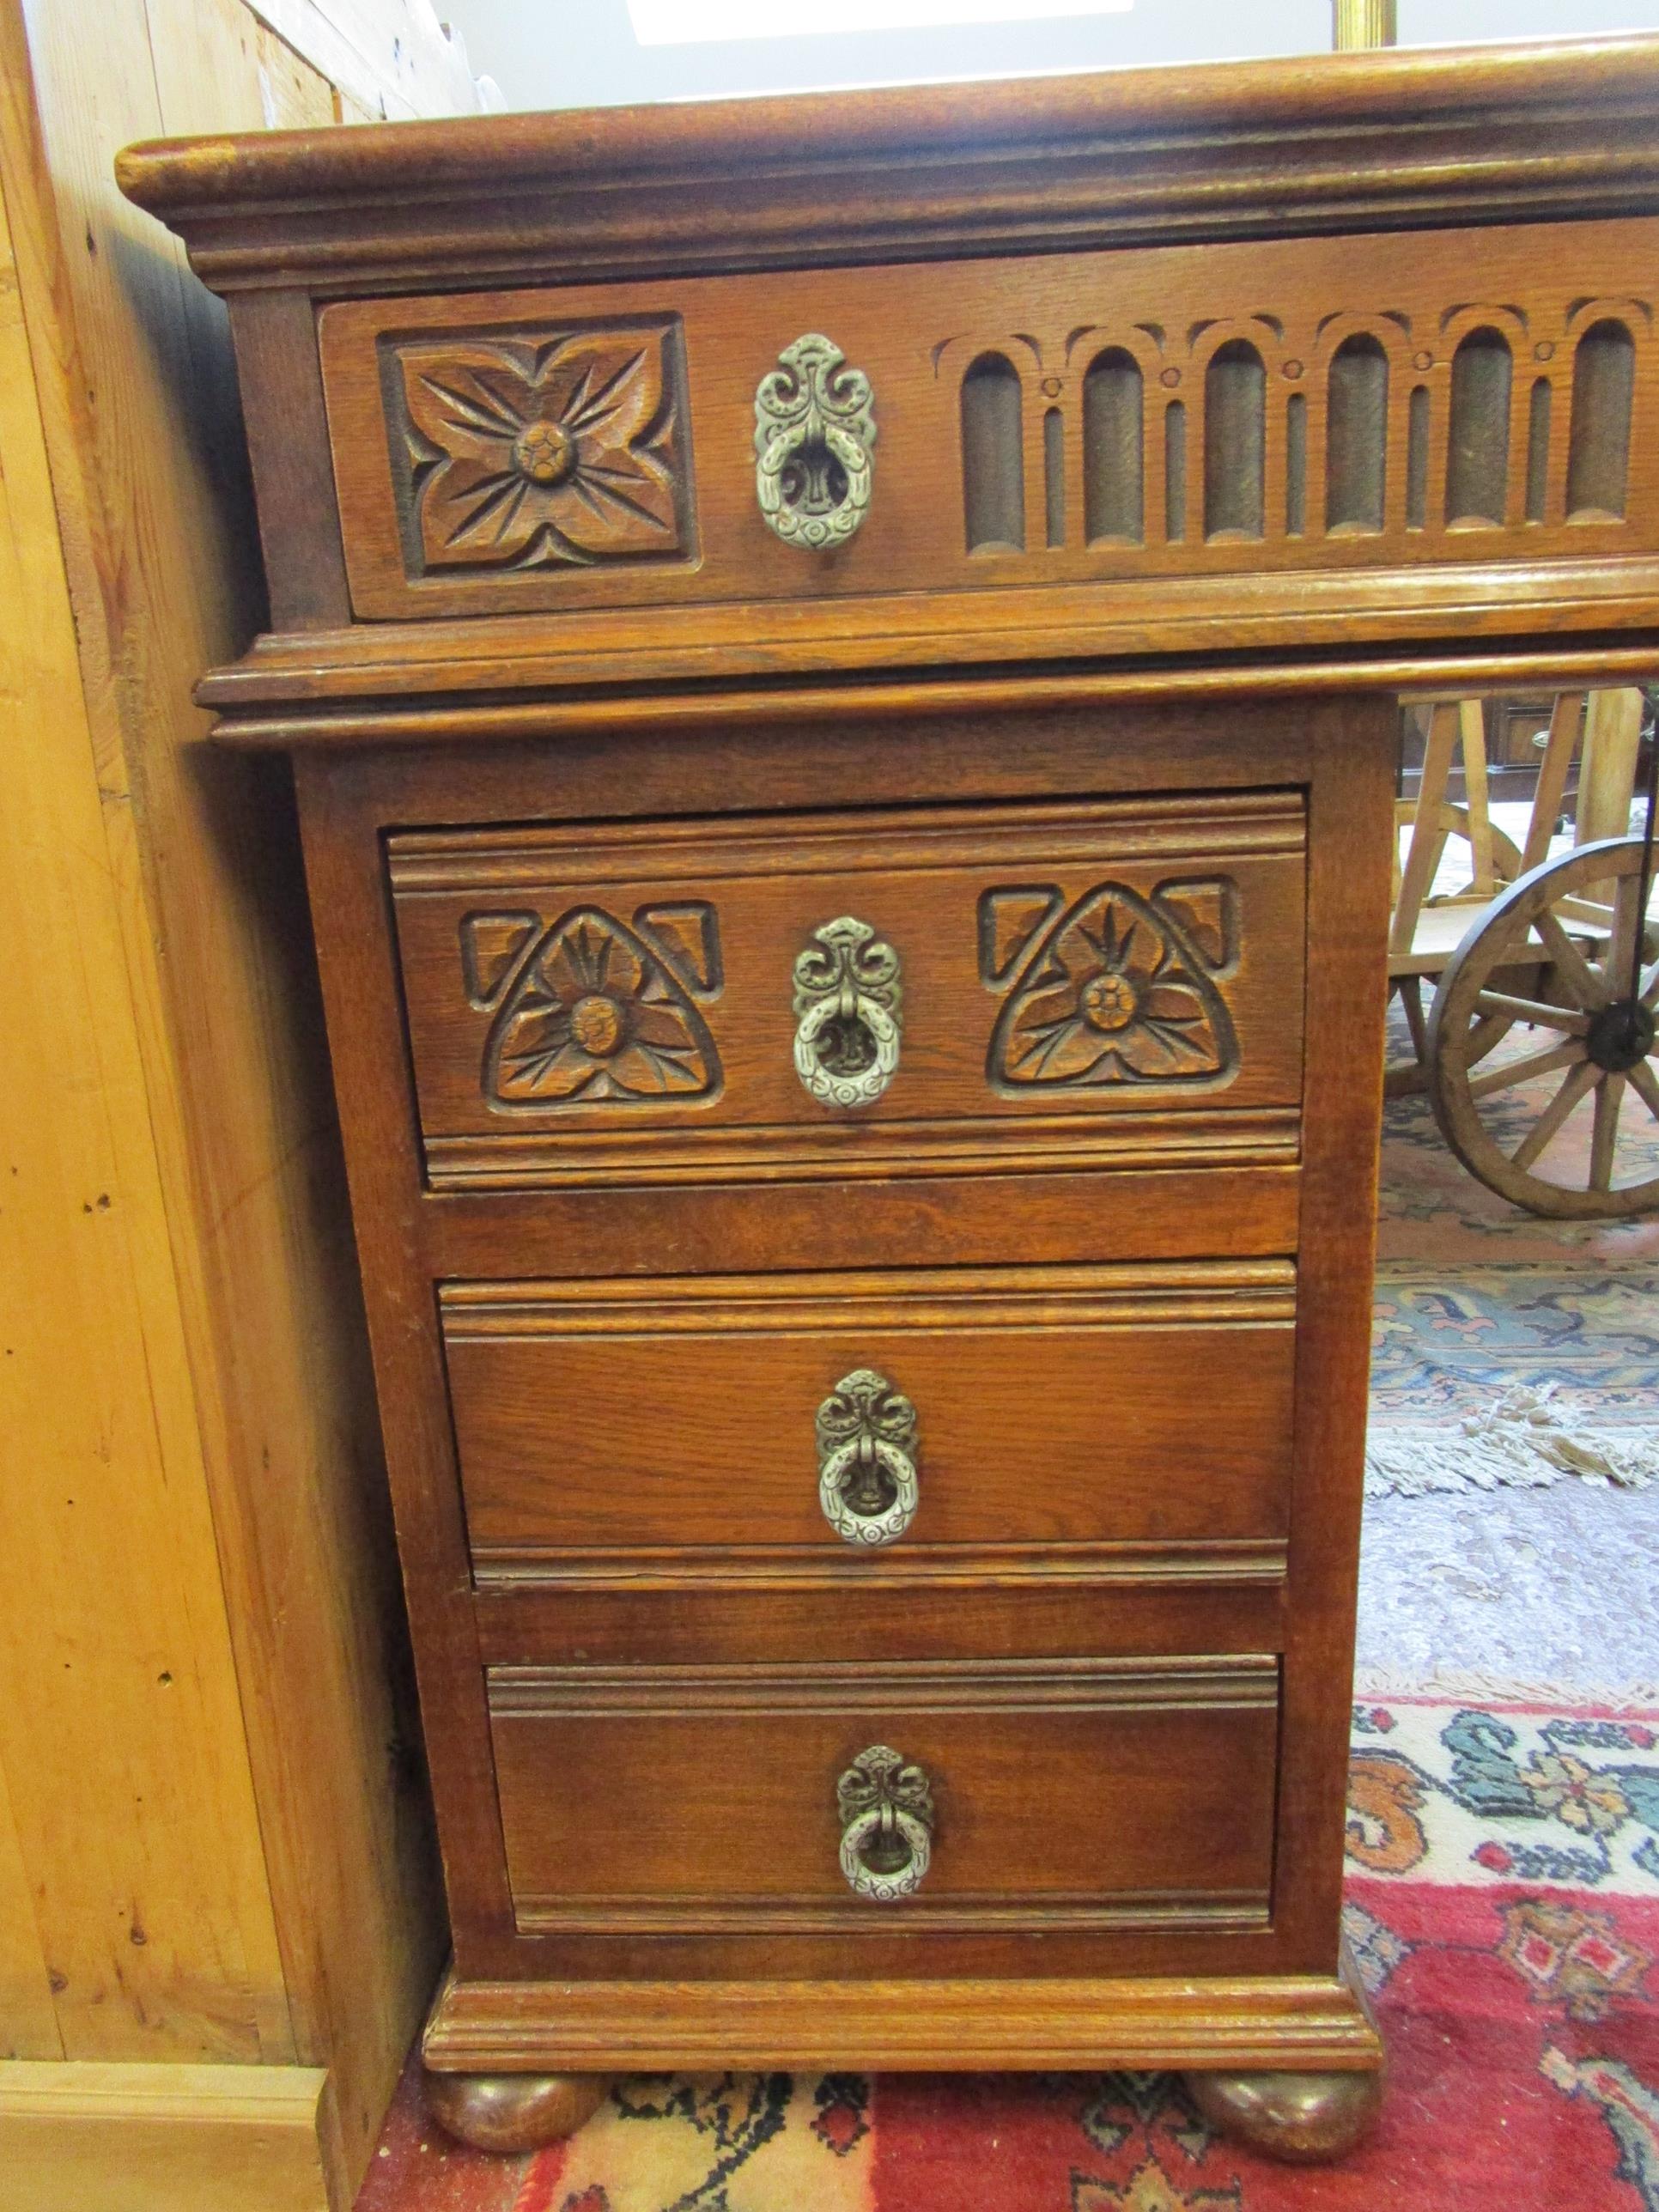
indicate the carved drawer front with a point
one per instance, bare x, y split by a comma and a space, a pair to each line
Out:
948, 1421
823, 995
885, 1801
1185, 416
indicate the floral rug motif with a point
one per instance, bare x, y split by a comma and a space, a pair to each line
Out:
1502, 1909
1506, 1795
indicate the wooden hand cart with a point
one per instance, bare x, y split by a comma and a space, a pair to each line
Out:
1559, 943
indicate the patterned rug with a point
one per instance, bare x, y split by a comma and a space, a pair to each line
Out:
1508, 1350
1503, 1906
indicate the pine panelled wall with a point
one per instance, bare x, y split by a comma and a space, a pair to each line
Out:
217, 1916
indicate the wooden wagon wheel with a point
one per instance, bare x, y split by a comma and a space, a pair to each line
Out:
1601, 1039
1404, 1077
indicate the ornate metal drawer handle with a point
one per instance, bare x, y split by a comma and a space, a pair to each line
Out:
813, 432
867, 1434
847, 1010
886, 1825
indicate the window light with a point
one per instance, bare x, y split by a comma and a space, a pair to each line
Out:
685, 23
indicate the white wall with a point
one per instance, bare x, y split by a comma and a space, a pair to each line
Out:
582, 53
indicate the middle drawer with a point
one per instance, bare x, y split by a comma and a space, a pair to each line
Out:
809, 1420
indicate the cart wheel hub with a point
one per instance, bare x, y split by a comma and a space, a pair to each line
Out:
1620, 1035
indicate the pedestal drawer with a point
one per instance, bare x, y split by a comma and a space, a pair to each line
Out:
983, 1795
929, 989
968, 1415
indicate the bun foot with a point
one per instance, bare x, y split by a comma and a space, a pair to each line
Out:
513, 2112
1303, 2118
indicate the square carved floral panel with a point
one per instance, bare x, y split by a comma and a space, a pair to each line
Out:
538, 450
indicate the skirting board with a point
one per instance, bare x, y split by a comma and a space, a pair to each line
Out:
1250, 2023
92, 2137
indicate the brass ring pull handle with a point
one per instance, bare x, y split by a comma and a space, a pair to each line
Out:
813, 432
866, 1439
886, 1811
846, 1012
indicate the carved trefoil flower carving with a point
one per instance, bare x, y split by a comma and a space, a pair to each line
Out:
589, 1011
1118, 987
544, 450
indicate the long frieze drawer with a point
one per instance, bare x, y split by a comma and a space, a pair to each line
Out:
886, 1800
970, 1418
930, 989
1250, 411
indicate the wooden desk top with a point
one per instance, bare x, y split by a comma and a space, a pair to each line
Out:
1402, 139
1333, 371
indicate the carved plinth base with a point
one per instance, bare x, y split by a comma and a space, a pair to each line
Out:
1302, 2119
514, 2111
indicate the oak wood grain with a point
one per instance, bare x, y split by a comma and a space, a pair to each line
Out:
1050, 1413
1312, 2020
731, 1103
689, 1801
1017, 1602
1183, 1211
1350, 816
1287, 313
1407, 140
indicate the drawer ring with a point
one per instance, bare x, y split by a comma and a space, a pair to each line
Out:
866, 1441
852, 1525
886, 1803
848, 1000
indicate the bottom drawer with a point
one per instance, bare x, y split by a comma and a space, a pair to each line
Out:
1046, 1795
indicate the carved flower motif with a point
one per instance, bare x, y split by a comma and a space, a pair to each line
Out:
533, 453
1112, 997
1593, 1804
595, 1015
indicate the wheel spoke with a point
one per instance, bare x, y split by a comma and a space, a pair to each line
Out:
1570, 961
1594, 913
1573, 1087
1616, 962
1523, 1070
1533, 1010
1647, 1085
1604, 1135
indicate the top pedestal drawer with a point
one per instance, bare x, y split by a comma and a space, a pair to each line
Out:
932, 990
1225, 417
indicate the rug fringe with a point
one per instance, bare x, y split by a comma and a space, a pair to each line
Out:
1479, 1688
1520, 1441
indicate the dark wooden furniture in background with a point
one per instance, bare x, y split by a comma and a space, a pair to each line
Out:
841, 656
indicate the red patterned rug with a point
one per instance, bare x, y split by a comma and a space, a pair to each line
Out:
1503, 1905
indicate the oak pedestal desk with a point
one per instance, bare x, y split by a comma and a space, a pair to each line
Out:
841, 657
